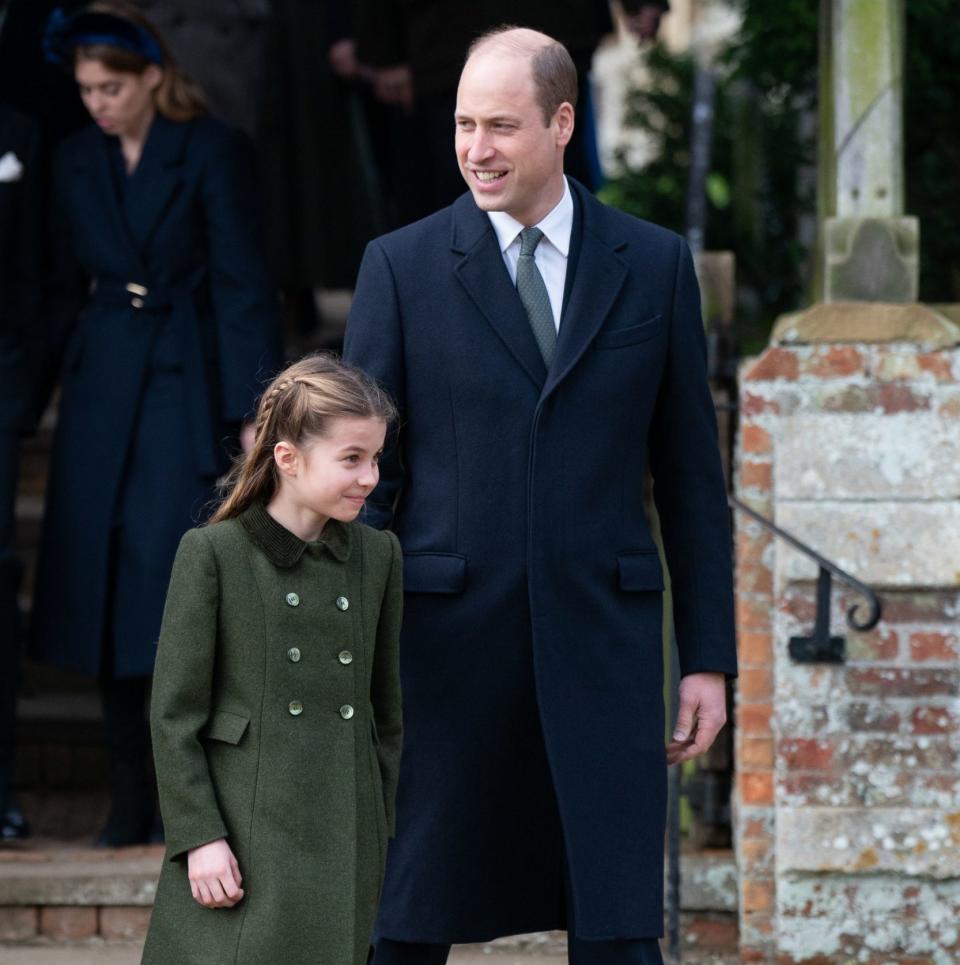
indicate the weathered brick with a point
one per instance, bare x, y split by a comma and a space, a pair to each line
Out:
754, 953
752, 545
939, 647
123, 923
754, 578
756, 787
18, 924
755, 855
924, 606
755, 753
752, 404
754, 612
755, 683
755, 439
805, 754
756, 475
799, 601
754, 648
68, 923
758, 894
898, 398
882, 643
834, 361
876, 716
913, 752
711, 933
938, 364
933, 720
774, 363
754, 718
898, 682
949, 408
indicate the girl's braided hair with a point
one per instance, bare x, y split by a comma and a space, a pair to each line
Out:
299, 403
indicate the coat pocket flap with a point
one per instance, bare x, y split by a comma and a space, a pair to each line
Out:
621, 337
434, 572
226, 726
640, 571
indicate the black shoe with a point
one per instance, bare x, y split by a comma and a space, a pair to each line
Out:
13, 825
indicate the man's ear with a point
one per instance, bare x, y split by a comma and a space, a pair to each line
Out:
564, 121
287, 457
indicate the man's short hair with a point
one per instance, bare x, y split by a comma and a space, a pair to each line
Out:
554, 73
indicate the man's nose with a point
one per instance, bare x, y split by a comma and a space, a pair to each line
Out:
480, 147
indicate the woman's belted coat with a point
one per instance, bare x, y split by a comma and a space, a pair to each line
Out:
276, 724
162, 322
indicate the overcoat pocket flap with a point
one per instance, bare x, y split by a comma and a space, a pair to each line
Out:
620, 337
434, 572
640, 571
226, 726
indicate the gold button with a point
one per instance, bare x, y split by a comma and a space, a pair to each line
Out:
293, 599
345, 657
342, 603
136, 302
295, 708
294, 654
346, 711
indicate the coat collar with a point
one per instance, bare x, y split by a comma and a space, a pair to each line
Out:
282, 547
595, 275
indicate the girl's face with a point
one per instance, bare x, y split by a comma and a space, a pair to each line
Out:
120, 102
332, 475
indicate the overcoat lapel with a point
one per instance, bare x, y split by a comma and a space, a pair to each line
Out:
485, 278
156, 180
599, 274
102, 201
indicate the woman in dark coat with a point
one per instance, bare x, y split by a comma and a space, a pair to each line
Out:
162, 312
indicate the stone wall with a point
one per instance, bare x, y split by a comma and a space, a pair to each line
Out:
848, 790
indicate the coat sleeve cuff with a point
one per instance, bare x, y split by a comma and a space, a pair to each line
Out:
178, 844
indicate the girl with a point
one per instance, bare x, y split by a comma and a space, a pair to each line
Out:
276, 700
160, 306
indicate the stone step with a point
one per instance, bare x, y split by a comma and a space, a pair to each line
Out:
51, 892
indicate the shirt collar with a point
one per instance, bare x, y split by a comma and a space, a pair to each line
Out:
557, 226
282, 547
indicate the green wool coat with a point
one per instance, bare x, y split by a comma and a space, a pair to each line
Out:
276, 724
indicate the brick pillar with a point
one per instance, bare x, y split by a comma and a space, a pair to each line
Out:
848, 791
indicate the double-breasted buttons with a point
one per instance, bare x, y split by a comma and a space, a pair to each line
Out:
296, 708
346, 711
342, 603
293, 599
345, 657
293, 655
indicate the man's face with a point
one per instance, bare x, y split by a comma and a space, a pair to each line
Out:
509, 158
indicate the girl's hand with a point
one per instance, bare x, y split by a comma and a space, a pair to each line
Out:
214, 875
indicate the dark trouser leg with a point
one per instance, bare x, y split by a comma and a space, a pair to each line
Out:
9, 615
409, 953
131, 792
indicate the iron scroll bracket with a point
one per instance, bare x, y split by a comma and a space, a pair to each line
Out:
821, 646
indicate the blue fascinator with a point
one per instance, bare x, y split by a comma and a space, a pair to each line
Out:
66, 31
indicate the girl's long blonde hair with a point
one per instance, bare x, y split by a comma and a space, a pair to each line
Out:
178, 98
299, 403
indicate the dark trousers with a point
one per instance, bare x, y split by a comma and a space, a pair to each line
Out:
633, 951
9, 615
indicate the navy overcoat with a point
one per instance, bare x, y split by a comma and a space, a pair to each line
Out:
531, 655
159, 302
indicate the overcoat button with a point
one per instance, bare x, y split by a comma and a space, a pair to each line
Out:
294, 654
293, 599
342, 603
136, 302
345, 657
296, 708
346, 711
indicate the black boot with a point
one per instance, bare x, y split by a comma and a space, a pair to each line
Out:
131, 787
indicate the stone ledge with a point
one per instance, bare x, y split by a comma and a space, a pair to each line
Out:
934, 326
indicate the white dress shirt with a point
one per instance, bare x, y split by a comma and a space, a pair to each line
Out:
552, 252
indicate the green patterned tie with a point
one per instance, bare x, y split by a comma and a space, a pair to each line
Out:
533, 294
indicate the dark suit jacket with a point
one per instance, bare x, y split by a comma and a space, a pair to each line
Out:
201, 309
531, 654
21, 214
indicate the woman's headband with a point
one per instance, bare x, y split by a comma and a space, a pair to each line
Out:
65, 32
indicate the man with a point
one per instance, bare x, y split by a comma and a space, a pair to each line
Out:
20, 217
534, 371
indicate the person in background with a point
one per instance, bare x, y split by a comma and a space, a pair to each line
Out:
20, 214
161, 320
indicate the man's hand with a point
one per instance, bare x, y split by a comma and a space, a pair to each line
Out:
342, 57
394, 85
214, 875
703, 711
